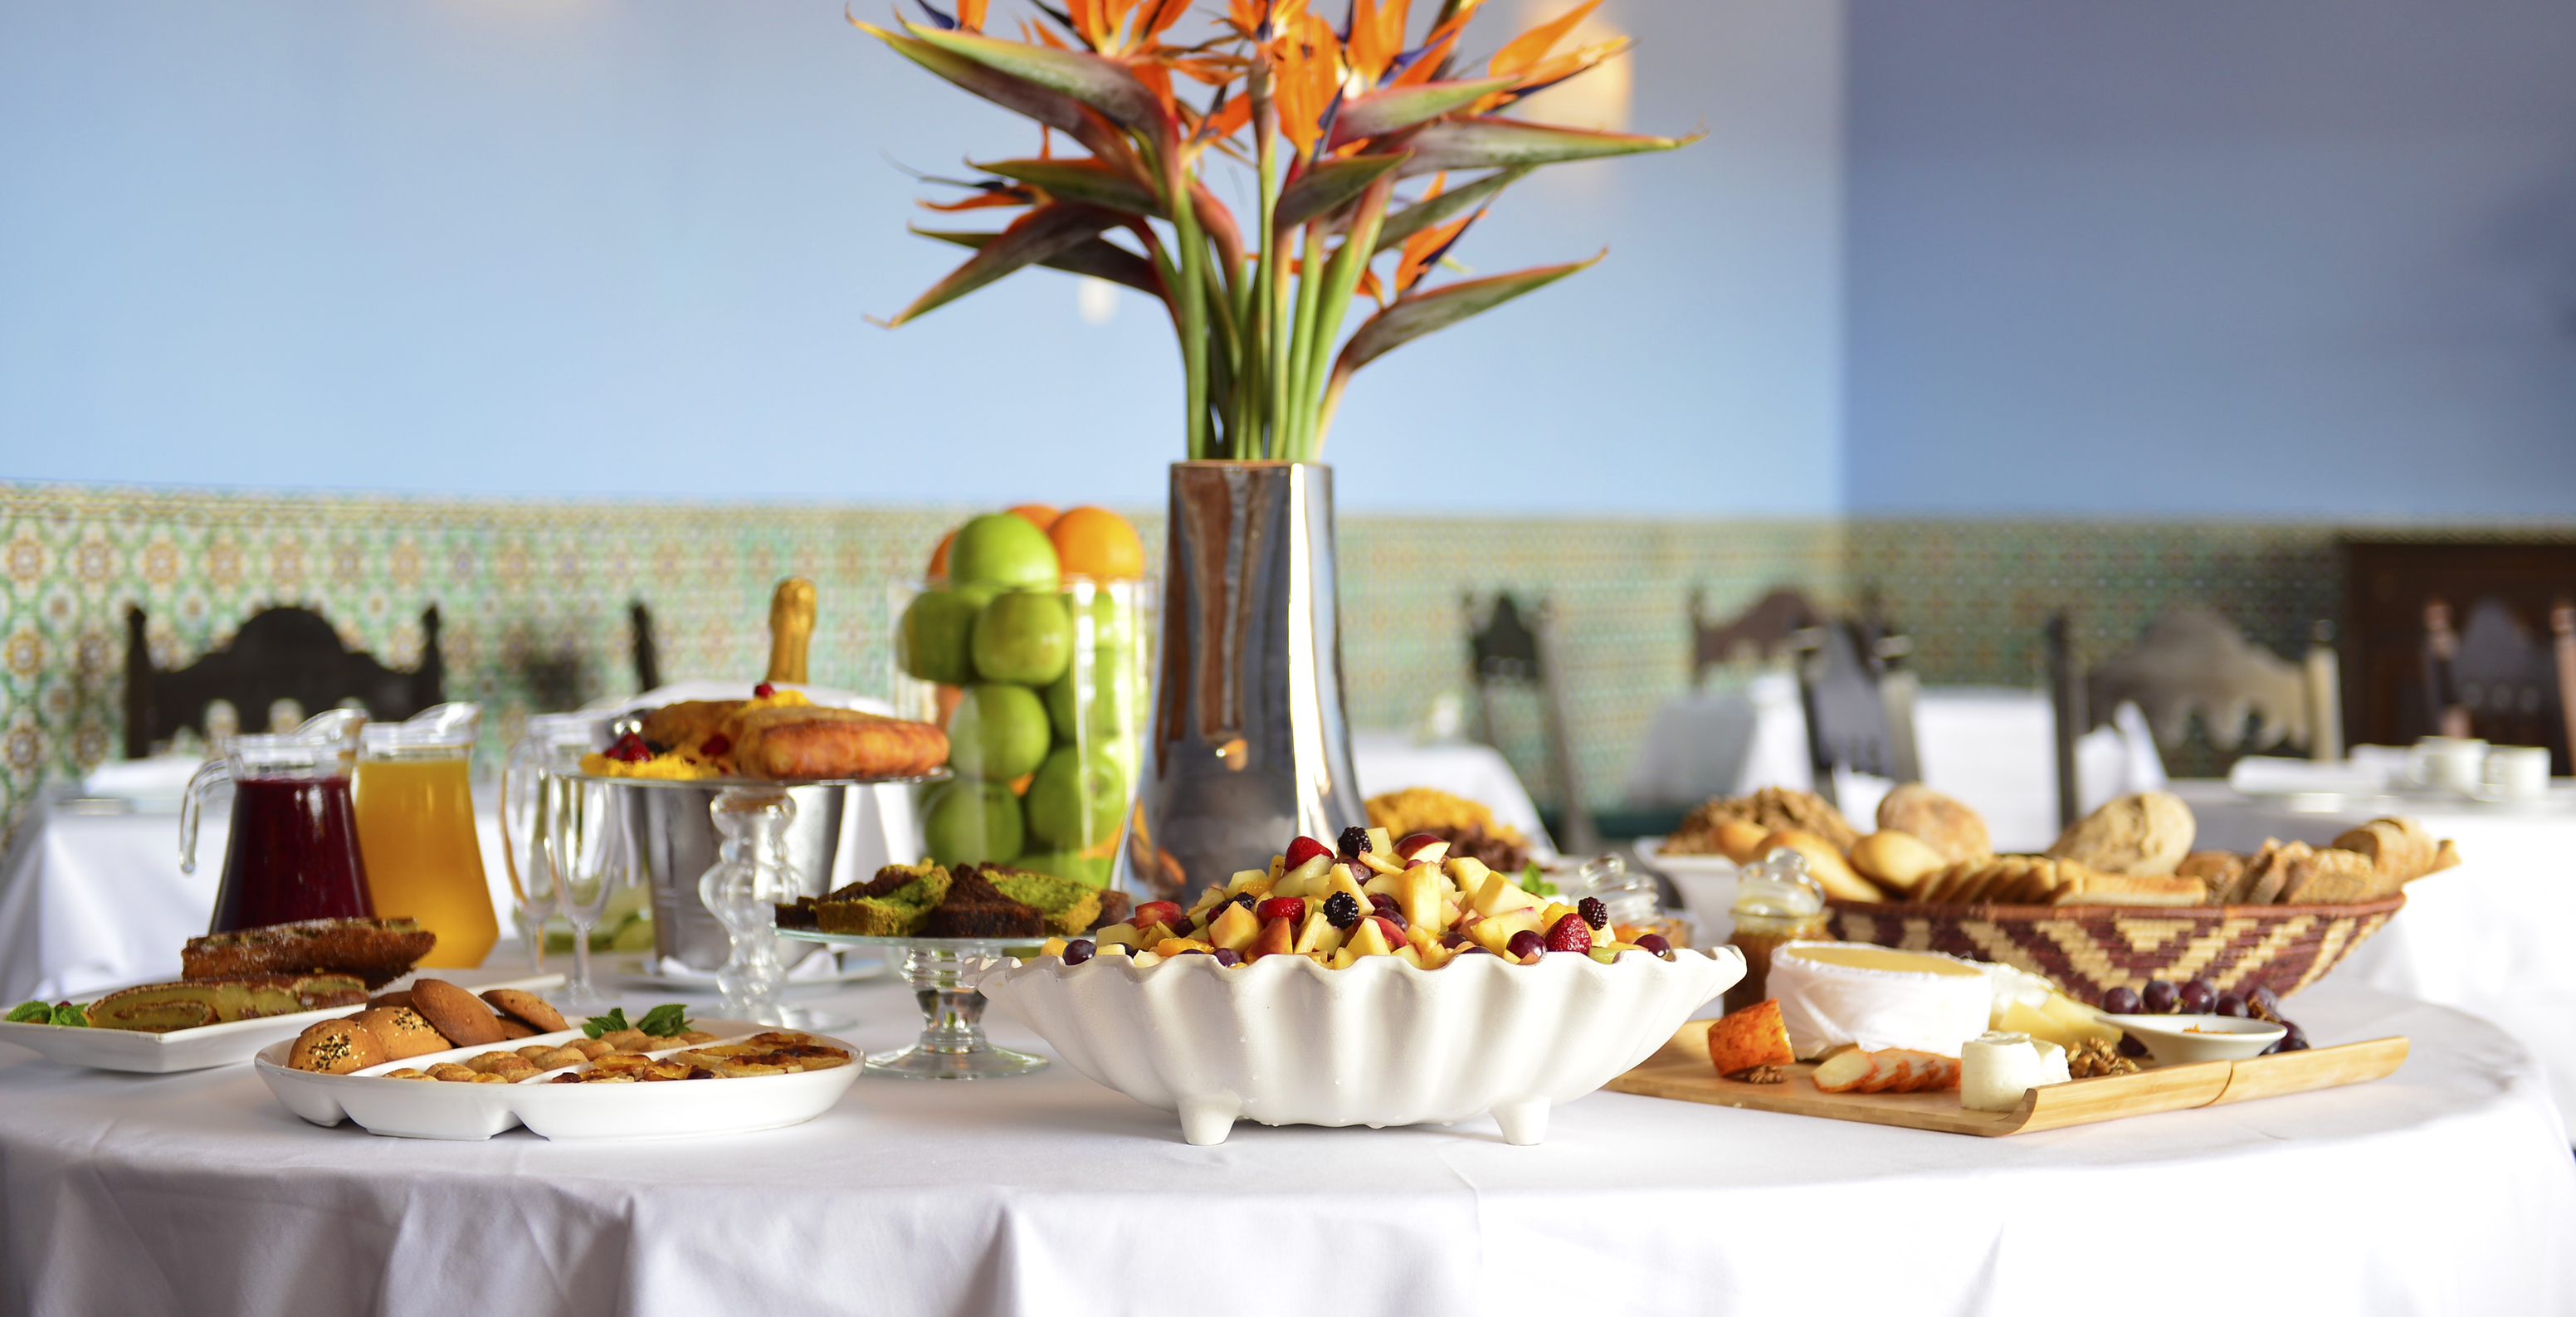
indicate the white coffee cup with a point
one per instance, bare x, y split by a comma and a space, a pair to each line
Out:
2449, 763
2517, 772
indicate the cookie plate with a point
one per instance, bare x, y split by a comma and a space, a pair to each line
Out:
220, 1044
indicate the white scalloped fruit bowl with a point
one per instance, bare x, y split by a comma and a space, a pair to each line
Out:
1285, 1041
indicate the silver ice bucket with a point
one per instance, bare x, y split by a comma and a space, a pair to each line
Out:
674, 843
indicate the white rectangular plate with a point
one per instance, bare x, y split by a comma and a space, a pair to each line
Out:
423, 1109
220, 1044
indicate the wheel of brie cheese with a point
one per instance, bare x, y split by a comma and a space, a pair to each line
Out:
1837, 993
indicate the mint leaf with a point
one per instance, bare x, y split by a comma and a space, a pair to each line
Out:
613, 1022
31, 1012
666, 1021
1534, 881
71, 1017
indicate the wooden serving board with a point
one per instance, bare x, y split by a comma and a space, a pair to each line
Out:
1681, 1070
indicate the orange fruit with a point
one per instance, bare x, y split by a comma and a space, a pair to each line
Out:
1038, 514
1097, 543
939, 556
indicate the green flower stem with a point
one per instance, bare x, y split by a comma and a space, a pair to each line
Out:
1310, 297
1348, 264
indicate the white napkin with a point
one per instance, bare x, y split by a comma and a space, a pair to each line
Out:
161, 777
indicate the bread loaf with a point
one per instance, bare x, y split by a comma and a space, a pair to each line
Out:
1949, 827
1895, 860
1825, 863
2148, 833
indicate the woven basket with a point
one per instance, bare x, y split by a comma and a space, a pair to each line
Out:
2087, 950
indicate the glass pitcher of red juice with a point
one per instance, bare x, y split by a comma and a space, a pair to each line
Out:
293, 849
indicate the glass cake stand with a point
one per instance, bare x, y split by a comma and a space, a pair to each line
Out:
953, 1045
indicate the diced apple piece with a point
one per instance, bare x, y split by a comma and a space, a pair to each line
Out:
1467, 871
1419, 898
1311, 872
1381, 862
1410, 956
1148, 958
1491, 934
1122, 934
1421, 848
1499, 893
1369, 939
1435, 955
1180, 946
1844, 1071
1275, 938
1380, 843
1235, 929
1343, 959
1310, 934
1389, 885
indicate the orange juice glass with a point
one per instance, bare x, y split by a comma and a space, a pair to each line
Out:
415, 809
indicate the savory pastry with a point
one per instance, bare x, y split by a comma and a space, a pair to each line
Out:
527, 1007
1896, 860
1949, 827
812, 742
1466, 825
402, 1032
1754, 1036
162, 1007
336, 1047
2146, 833
376, 950
1771, 808
1825, 864
459, 1014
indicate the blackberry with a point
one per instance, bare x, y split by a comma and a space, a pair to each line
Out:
1594, 912
1354, 840
1341, 910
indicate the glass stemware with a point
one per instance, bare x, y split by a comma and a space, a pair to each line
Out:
527, 791
586, 844
751, 876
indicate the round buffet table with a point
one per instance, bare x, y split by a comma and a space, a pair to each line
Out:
2446, 1187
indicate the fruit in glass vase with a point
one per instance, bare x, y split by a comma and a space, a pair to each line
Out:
931, 642
1100, 717
1023, 638
997, 732
1076, 800
1036, 514
938, 569
970, 822
1097, 543
1003, 550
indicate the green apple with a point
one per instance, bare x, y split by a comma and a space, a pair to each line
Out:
1094, 870
969, 822
1022, 637
1004, 549
930, 642
1102, 721
997, 732
1076, 800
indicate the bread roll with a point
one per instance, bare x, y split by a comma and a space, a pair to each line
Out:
1824, 863
2148, 833
403, 1032
1895, 860
1740, 841
335, 1047
1949, 827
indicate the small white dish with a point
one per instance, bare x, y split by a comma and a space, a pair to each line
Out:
428, 1109
1707, 884
2183, 1039
220, 1044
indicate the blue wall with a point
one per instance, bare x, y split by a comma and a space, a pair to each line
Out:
571, 246
2310, 257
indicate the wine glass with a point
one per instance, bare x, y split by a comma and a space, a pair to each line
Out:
587, 847
527, 788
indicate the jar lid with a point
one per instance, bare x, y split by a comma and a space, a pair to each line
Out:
438, 727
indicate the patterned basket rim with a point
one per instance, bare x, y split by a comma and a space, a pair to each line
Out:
1951, 910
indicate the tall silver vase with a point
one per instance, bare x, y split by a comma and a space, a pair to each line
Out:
1247, 745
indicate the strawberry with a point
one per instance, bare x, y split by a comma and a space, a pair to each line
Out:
1570, 934
763, 691
1290, 908
1305, 848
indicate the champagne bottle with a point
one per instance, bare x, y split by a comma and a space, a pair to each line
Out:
791, 629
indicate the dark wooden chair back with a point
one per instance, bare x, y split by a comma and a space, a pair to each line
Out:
1767, 630
648, 656
2492, 678
1505, 648
279, 654
1859, 702
2395, 696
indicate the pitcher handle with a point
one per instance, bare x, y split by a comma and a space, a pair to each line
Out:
214, 773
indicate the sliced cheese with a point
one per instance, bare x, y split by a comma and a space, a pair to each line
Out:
1833, 993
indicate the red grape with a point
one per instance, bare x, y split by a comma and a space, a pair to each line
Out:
2122, 1000
2160, 998
2229, 1004
2196, 997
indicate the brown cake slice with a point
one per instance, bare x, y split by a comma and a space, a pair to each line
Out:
976, 908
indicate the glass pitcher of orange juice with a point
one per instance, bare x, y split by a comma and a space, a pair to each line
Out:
416, 830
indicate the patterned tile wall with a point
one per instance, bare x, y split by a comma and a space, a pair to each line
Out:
532, 597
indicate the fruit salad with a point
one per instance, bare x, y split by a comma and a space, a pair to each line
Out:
1367, 895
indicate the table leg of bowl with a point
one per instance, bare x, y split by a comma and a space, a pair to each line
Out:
1524, 1122
1207, 1120
952, 1043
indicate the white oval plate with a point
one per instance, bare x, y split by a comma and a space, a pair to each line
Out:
220, 1044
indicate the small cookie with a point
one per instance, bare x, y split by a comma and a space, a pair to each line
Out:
526, 1006
405, 1073
390, 999
591, 1049
459, 1014
511, 1028
402, 1032
336, 1047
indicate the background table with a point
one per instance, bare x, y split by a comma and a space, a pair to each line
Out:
2446, 1187
91, 895
1993, 747
2491, 937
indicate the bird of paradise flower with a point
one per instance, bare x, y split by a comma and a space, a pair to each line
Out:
1337, 120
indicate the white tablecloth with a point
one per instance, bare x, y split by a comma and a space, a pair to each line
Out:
2446, 1188
1992, 747
2489, 937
